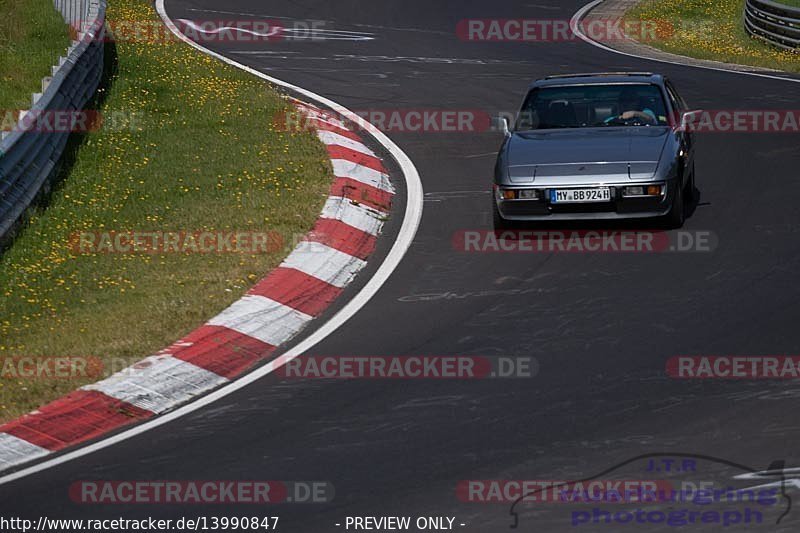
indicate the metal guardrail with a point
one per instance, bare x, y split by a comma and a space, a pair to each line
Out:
773, 22
29, 157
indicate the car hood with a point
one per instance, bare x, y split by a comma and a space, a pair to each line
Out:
596, 154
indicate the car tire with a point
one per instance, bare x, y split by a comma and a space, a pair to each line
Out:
677, 213
691, 187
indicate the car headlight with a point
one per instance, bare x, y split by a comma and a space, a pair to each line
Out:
643, 190
517, 194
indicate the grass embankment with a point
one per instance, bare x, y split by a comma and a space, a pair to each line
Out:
32, 36
713, 30
202, 155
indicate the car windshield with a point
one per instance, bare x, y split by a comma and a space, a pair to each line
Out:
592, 106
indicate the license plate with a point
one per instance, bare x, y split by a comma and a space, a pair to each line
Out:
580, 196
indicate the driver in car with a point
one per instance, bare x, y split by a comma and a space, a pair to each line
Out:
630, 102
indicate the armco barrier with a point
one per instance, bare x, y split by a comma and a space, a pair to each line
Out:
773, 22
29, 158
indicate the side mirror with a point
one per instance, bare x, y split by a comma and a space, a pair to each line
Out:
501, 124
505, 127
689, 119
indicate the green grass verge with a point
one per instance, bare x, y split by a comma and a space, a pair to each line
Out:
32, 36
203, 155
712, 30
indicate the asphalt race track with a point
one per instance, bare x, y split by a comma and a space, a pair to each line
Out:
601, 326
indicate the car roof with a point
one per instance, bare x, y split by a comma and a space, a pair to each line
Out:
599, 78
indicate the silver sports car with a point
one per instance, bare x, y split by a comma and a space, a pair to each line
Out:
596, 146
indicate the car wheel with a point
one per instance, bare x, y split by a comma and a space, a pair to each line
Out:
677, 214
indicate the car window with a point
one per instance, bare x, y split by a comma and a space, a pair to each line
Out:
672, 100
677, 101
584, 106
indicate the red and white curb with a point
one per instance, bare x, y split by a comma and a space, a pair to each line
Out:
272, 313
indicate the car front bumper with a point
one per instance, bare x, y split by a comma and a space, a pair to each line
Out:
618, 208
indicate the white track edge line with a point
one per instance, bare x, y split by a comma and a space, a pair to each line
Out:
581, 13
411, 221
